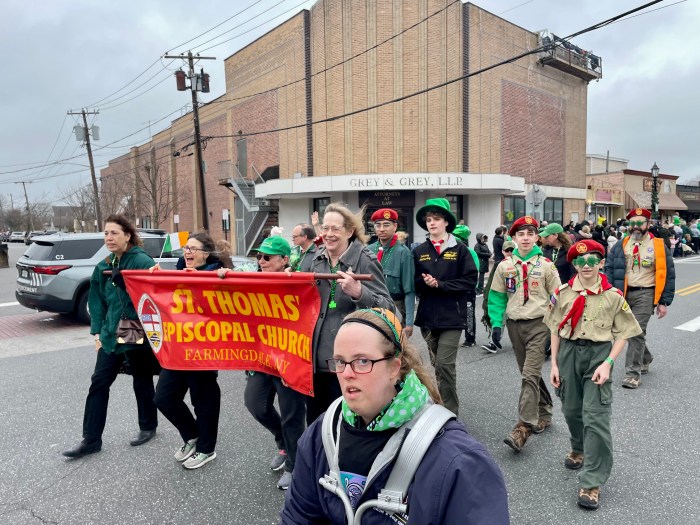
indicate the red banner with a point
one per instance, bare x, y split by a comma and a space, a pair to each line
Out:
262, 322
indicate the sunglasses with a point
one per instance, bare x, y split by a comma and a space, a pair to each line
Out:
582, 261
265, 257
637, 223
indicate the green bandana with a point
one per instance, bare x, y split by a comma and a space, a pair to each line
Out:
412, 396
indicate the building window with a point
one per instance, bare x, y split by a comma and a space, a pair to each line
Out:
320, 206
513, 208
456, 205
553, 210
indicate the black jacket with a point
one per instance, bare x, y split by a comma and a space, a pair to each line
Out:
564, 267
497, 242
444, 307
484, 253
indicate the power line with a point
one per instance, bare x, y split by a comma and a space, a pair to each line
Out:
126, 85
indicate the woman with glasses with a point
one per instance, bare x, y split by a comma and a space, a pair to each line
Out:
108, 303
386, 389
288, 424
199, 431
343, 253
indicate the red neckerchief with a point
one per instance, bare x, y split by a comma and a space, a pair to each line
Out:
380, 253
526, 285
577, 308
437, 245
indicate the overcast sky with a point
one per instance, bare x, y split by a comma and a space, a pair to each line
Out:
76, 53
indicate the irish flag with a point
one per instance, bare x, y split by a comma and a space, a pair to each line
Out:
175, 241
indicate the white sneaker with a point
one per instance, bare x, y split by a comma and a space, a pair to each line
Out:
198, 459
186, 450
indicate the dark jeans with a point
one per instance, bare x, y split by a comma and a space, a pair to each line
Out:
106, 371
288, 425
480, 283
326, 390
205, 395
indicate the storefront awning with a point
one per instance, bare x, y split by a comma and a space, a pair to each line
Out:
642, 199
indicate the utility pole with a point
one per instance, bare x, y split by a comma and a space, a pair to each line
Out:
30, 223
86, 138
197, 83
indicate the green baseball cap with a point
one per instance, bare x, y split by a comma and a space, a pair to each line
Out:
550, 229
275, 245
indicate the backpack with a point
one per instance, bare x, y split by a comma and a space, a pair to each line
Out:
392, 498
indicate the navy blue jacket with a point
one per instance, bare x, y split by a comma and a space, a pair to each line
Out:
457, 483
616, 266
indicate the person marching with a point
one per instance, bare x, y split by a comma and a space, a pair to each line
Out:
445, 273
462, 233
304, 250
521, 288
590, 322
642, 266
397, 265
199, 432
289, 423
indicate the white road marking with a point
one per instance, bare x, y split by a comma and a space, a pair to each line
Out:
691, 326
15, 303
694, 259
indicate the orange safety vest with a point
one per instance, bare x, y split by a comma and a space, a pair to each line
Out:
660, 259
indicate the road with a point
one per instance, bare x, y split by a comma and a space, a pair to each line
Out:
46, 362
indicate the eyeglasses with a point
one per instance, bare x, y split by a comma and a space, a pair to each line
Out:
382, 225
637, 223
264, 256
334, 229
192, 249
359, 366
582, 261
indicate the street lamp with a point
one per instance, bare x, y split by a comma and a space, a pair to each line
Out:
654, 192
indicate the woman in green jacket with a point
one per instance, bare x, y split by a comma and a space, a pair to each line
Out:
108, 303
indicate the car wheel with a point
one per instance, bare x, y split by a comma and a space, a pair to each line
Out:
82, 310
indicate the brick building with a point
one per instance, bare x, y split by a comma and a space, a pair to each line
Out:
497, 143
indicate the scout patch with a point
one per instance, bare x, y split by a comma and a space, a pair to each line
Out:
625, 306
509, 276
650, 249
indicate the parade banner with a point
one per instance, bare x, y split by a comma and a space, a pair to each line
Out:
262, 322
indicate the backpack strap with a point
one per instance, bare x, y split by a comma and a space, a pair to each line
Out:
331, 481
392, 498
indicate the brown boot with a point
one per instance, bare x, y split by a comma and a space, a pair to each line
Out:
518, 436
573, 460
542, 425
588, 498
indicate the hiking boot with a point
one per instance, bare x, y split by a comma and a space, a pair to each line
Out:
278, 461
573, 460
542, 425
630, 382
490, 347
518, 436
285, 481
588, 498
198, 459
186, 450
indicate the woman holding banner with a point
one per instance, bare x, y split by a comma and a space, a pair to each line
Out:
343, 253
198, 434
109, 302
356, 450
288, 424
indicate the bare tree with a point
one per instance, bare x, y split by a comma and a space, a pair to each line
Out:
157, 195
82, 203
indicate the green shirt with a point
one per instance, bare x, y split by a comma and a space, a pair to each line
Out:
398, 268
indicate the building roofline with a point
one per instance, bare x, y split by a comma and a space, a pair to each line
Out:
598, 156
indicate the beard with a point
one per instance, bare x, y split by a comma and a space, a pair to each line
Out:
637, 233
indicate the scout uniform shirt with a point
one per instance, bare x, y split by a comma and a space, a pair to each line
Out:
542, 280
640, 267
606, 317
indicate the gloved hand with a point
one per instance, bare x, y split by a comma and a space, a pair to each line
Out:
496, 336
118, 279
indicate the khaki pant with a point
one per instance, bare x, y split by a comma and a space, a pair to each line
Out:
642, 304
587, 408
529, 339
442, 347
